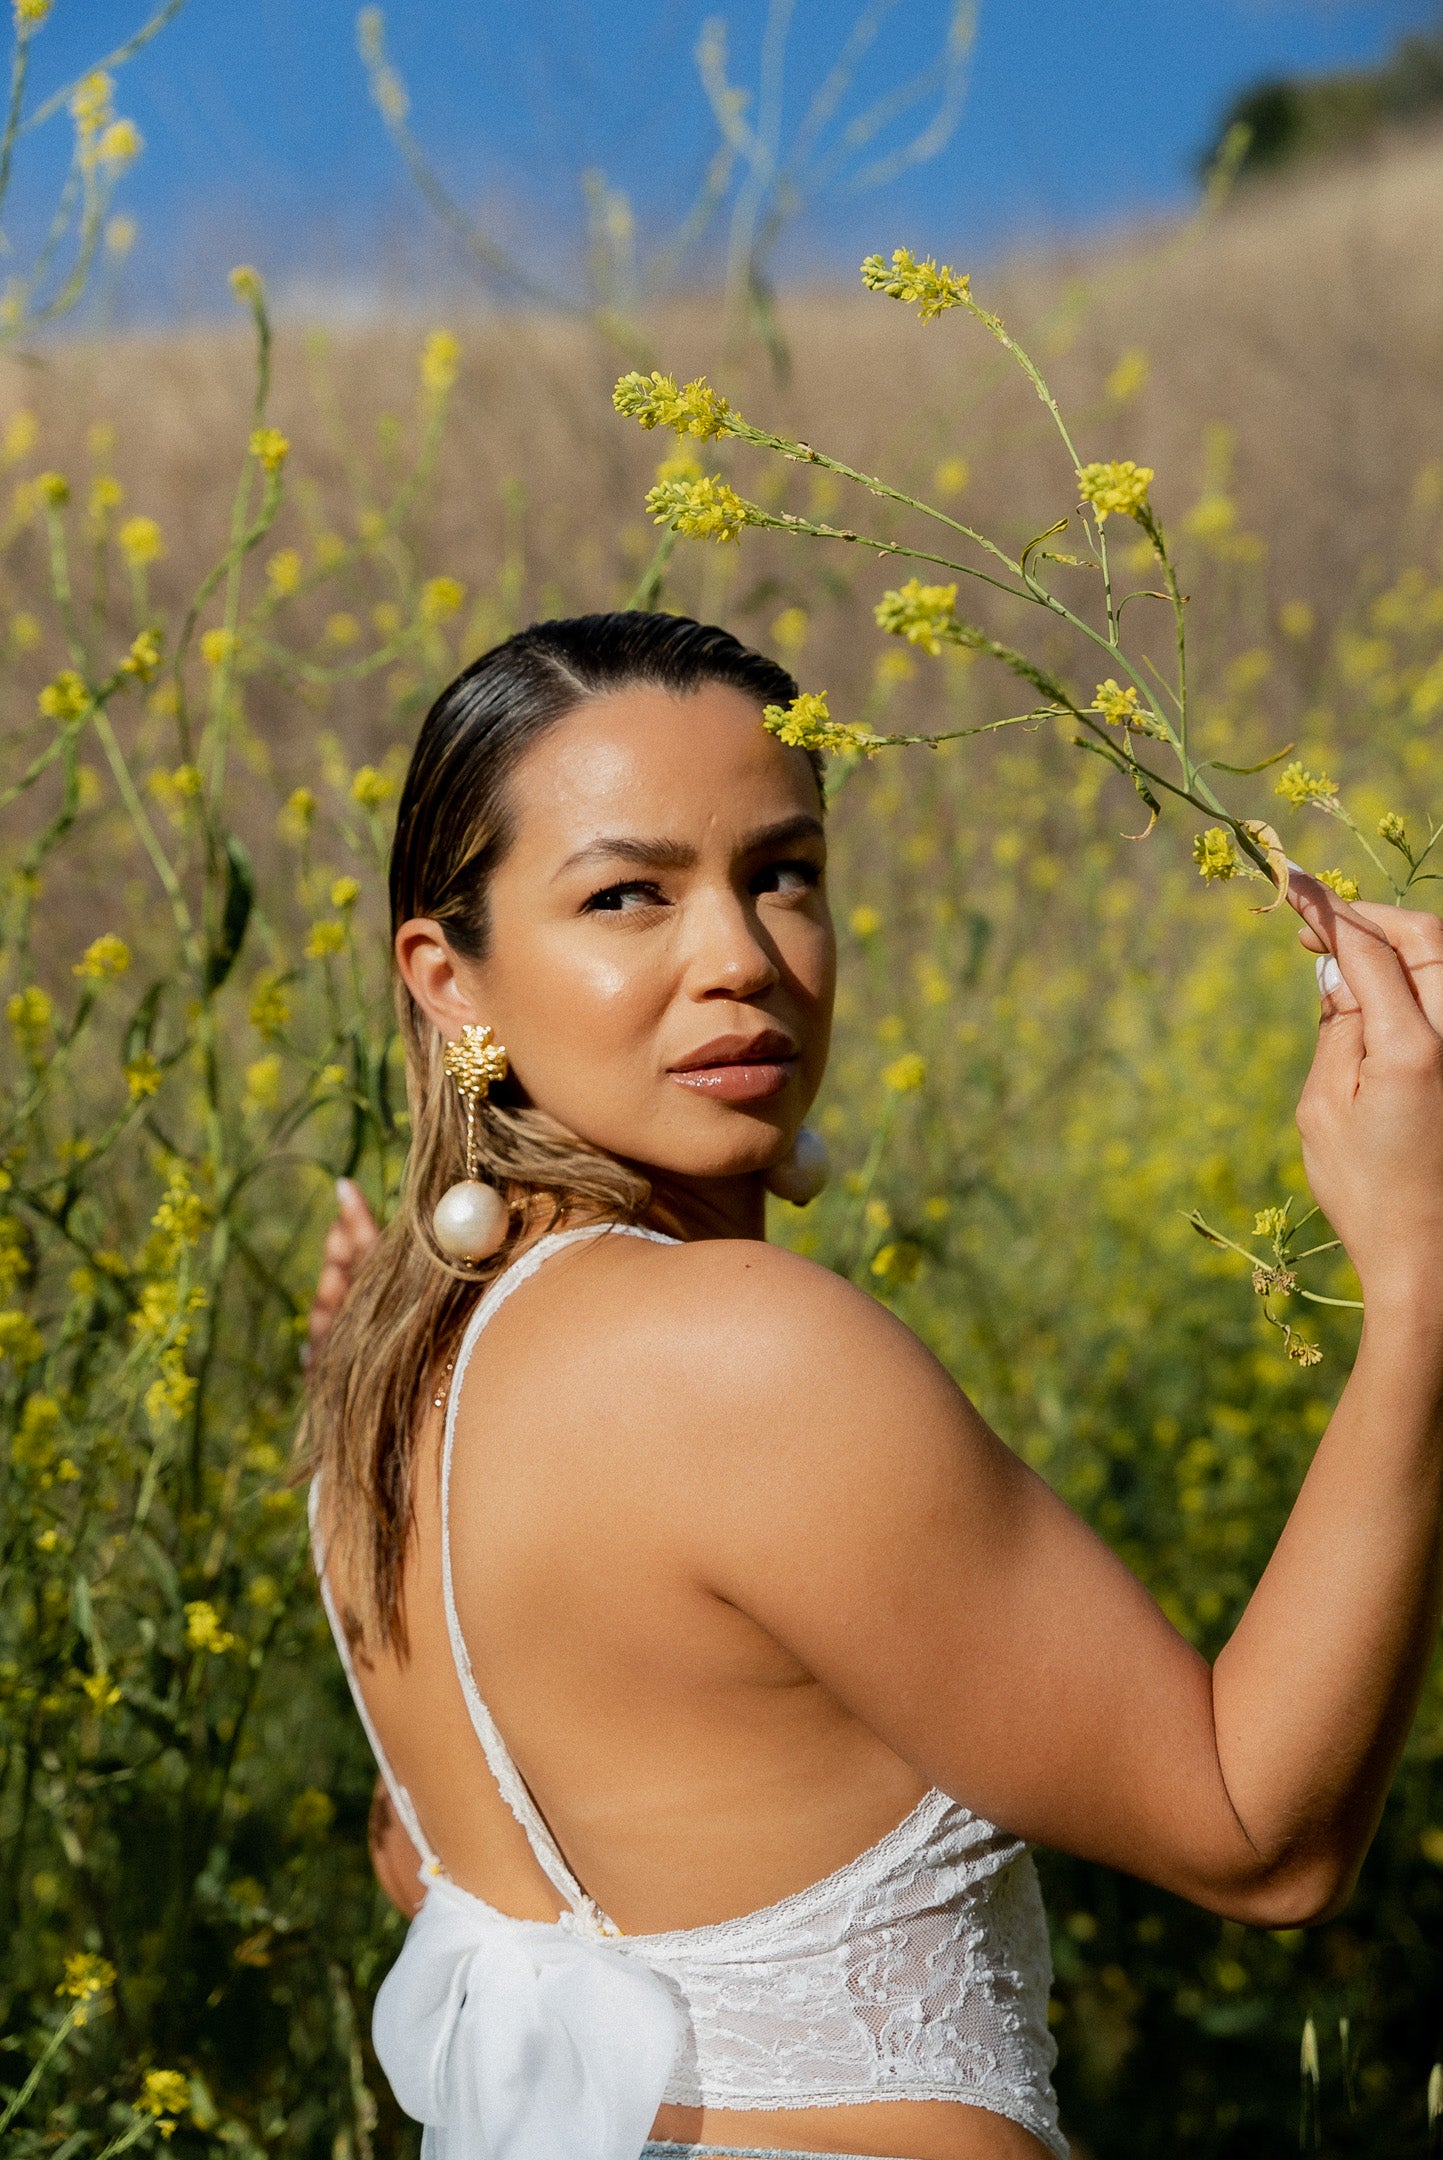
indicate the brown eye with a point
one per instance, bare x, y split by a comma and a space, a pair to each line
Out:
788, 877
624, 899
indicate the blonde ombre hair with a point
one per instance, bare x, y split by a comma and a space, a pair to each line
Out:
377, 1370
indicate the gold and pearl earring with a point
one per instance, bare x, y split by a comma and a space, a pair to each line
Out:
471, 1219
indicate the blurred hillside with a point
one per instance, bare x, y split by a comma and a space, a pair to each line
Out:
1293, 118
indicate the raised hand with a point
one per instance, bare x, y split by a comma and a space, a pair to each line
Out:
348, 1240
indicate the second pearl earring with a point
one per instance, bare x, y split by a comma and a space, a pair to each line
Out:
471, 1219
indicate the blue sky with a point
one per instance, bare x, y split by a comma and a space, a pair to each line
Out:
262, 142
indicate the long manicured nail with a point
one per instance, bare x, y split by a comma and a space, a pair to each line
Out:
345, 1189
1330, 975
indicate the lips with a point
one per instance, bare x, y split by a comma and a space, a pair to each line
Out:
738, 1068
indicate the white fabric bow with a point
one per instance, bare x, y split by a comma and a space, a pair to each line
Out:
514, 2040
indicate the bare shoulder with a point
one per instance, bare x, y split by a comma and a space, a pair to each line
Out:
799, 1359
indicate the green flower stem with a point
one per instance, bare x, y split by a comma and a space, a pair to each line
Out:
57, 2040
150, 839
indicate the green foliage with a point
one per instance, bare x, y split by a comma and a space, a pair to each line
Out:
1296, 118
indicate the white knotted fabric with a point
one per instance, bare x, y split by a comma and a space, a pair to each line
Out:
918, 1971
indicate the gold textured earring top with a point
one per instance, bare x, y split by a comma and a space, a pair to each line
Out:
475, 1063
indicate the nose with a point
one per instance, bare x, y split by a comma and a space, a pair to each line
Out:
729, 955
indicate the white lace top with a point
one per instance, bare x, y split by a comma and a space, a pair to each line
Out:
919, 1971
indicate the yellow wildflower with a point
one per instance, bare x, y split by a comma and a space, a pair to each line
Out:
1303, 1352
30, 1012
1392, 829
1122, 708
440, 597
371, 788
90, 103
864, 921
1214, 854
140, 541
142, 1076
342, 629
1128, 377
894, 667
806, 724
1120, 485
325, 938
680, 465
22, 432
1270, 1222
297, 817
655, 401
1345, 887
371, 524
217, 647
203, 1630
345, 893
101, 1689
951, 477
34, 1446
1297, 785
270, 1009
144, 656
921, 284
898, 1262
87, 1977
24, 631
1212, 519
20, 1340
705, 509
263, 1083
106, 955
246, 283
789, 631
270, 446
922, 614
329, 547
440, 356
119, 145
178, 1221
905, 1073
332, 1075
169, 1397
106, 494
30, 14
284, 571
66, 698
311, 1812
165, 2095
386, 619
120, 235
54, 488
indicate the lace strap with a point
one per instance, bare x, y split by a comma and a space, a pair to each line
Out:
401, 1800
510, 1783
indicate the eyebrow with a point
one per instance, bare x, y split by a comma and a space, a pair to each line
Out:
679, 855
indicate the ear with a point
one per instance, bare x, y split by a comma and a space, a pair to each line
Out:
429, 969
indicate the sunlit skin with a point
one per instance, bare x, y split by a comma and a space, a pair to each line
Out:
741, 1570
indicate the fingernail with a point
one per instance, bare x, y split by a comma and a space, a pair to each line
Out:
345, 1189
1330, 975
1296, 867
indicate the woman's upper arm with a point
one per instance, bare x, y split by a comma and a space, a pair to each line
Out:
863, 1512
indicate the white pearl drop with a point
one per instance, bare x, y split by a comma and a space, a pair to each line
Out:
802, 1171
470, 1221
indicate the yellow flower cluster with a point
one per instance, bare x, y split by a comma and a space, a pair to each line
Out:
246, 284
1298, 786
218, 646
165, 2094
1392, 829
705, 509
144, 656
203, 1630
284, 571
806, 724
270, 1009
905, 1074
1215, 855
140, 541
1118, 707
440, 356
655, 401
106, 955
922, 614
1120, 485
142, 1076
87, 1978
20, 1340
924, 285
1345, 887
270, 447
30, 14
30, 1012
371, 788
325, 938
53, 488
440, 597
66, 698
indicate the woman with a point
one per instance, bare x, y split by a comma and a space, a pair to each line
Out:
720, 1661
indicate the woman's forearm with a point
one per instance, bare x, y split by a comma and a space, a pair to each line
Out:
1314, 1693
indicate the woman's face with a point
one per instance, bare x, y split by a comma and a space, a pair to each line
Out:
661, 958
